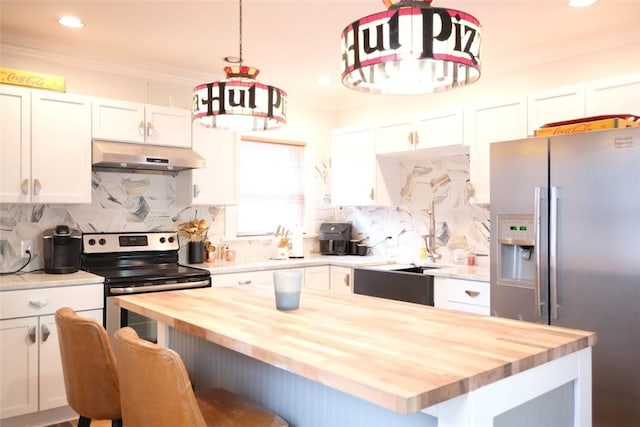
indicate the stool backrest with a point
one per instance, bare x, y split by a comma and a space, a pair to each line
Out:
156, 390
89, 366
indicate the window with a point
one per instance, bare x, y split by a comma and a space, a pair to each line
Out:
270, 186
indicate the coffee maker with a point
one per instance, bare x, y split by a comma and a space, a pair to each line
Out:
62, 248
335, 238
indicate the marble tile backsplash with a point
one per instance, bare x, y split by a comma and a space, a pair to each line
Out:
147, 202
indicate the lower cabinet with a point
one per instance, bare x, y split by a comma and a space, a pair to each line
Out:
317, 277
341, 279
31, 377
462, 295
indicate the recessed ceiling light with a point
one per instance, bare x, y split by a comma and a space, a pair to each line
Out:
323, 80
71, 22
581, 3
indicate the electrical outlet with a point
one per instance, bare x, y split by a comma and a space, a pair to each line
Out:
26, 245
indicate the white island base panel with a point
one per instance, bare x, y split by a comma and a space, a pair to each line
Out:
557, 393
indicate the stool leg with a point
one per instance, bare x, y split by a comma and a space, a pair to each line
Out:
84, 421
116, 423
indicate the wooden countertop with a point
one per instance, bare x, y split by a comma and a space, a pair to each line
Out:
401, 356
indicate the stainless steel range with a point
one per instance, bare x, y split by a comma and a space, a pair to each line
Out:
133, 263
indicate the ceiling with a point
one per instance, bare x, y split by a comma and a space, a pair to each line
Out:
293, 42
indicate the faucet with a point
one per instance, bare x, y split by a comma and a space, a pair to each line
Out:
430, 239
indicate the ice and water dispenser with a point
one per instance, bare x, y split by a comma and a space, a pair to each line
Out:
516, 254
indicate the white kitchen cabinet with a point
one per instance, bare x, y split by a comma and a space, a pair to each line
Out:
487, 123
317, 277
44, 133
463, 295
432, 130
32, 378
618, 95
125, 121
565, 103
216, 183
353, 168
262, 277
341, 279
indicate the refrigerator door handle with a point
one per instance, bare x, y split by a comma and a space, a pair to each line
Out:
553, 251
536, 222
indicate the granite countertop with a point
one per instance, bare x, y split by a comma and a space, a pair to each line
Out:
223, 267
40, 279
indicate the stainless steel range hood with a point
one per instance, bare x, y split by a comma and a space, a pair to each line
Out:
109, 155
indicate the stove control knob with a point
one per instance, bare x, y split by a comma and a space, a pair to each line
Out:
162, 240
92, 242
102, 242
171, 239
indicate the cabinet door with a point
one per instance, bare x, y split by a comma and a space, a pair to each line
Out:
620, 95
395, 138
15, 134
118, 120
341, 279
168, 126
216, 183
60, 148
353, 168
317, 277
487, 123
19, 367
555, 105
439, 129
52, 389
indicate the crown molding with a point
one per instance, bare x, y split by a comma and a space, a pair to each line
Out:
42, 50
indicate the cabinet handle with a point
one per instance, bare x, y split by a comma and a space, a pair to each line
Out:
32, 334
410, 137
39, 303
141, 130
244, 282
371, 194
24, 187
196, 190
150, 129
346, 280
416, 137
45, 333
36, 186
472, 294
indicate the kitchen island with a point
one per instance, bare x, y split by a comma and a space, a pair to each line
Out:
353, 360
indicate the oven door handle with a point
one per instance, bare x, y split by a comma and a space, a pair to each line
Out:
154, 288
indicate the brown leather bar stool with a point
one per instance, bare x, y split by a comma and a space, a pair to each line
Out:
156, 391
89, 367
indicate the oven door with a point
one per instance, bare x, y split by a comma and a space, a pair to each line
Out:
117, 317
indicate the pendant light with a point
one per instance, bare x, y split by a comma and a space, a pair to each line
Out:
239, 102
411, 48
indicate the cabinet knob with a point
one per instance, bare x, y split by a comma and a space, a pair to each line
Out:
141, 130
45, 333
371, 194
196, 190
39, 303
244, 282
32, 334
24, 187
346, 280
472, 294
36, 187
150, 129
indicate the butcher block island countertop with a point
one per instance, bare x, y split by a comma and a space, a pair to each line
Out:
401, 356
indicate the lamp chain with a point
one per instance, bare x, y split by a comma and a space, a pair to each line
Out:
240, 1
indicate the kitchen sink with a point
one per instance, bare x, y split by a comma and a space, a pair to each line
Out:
416, 269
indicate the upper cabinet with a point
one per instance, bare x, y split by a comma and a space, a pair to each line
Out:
432, 130
619, 95
356, 178
44, 133
141, 123
487, 123
565, 103
216, 183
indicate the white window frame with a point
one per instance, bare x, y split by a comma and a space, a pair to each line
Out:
231, 212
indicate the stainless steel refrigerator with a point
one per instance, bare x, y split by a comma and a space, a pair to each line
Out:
565, 250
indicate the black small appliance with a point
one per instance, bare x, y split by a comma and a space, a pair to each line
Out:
335, 238
62, 247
